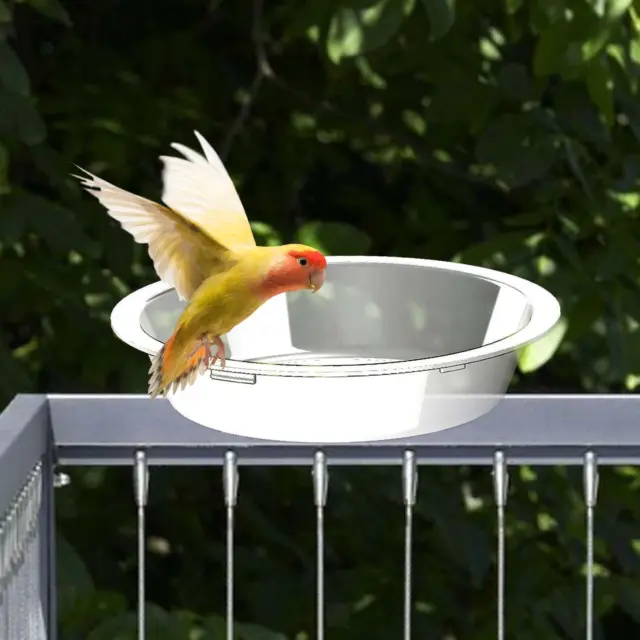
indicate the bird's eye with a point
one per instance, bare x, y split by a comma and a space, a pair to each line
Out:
303, 262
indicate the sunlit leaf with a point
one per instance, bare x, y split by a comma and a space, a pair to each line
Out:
611, 13
535, 355
265, 234
354, 31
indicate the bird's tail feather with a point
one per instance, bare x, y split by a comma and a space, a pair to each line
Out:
168, 375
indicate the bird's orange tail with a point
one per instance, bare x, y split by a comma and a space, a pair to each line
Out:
166, 374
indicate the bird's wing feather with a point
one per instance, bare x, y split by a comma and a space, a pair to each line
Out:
182, 255
200, 189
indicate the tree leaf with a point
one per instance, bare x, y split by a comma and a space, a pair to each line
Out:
55, 224
612, 12
535, 355
87, 610
529, 218
73, 577
355, 31
628, 595
576, 114
51, 9
442, 15
516, 82
4, 166
555, 49
462, 98
337, 238
5, 14
258, 632
497, 243
15, 373
214, 627
160, 626
265, 234
600, 86
517, 148
12, 73
20, 118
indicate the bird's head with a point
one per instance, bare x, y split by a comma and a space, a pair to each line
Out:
296, 267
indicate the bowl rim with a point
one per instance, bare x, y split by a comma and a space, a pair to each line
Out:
545, 313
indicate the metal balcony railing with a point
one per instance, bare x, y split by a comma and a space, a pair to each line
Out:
38, 432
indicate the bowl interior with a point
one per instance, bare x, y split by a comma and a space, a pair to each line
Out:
367, 312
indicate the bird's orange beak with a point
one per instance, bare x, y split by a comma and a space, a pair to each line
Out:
316, 280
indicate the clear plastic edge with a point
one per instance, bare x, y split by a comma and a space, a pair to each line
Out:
545, 313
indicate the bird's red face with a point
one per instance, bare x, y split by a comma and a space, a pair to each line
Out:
300, 267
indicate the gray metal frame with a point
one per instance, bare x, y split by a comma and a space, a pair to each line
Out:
108, 430
530, 429
588, 430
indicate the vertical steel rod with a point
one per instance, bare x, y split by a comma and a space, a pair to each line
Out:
500, 489
320, 486
141, 494
230, 481
591, 481
409, 491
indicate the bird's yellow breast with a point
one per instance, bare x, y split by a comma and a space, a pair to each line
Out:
225, 299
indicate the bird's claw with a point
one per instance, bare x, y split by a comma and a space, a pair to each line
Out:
219, 354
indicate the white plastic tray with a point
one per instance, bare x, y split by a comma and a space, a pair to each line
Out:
389, 347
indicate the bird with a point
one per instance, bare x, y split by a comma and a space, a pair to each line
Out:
201, 243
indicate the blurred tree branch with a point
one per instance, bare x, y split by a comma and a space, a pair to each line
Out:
263, 70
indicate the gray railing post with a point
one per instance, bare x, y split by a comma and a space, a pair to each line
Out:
48, 547
27, 570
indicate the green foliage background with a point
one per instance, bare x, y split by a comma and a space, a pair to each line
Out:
499, 133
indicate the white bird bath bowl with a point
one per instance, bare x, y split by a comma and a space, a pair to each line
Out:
388, 348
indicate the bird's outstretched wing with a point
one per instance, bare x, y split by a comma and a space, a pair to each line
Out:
182, 254
199, 231
200, 189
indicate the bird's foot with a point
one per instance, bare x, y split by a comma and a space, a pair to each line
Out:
211, 341
220, 352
